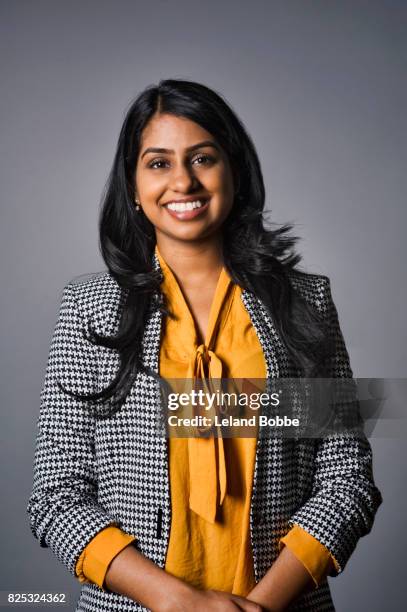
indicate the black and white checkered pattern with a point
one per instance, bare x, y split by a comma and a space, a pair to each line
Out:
90, 473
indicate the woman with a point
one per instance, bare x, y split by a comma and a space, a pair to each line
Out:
196, 288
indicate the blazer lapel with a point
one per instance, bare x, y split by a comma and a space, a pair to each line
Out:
266, 332
266, 510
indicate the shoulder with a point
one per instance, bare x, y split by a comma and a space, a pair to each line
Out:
314, 288
98, 298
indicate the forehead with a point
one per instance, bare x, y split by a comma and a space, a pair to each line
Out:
172, 132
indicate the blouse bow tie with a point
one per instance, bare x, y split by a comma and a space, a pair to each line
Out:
207, 465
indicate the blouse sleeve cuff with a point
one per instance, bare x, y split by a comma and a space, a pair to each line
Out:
95, 559
315, 557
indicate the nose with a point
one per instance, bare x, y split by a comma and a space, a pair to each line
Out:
183, 178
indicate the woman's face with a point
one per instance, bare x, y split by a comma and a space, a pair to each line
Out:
183, 179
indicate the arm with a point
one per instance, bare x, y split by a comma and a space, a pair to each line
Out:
110, 561
302, 567
343, 500
133, 575
95, 559
315, 557
297, 570
63, 509
286, 580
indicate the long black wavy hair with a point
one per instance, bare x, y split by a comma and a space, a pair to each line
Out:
262, 266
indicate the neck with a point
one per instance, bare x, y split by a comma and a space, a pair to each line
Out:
193, 263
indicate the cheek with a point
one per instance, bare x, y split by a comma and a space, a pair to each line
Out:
152, 211
149, 185
225, 187
226, 180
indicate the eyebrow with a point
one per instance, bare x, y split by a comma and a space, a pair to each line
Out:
204, 143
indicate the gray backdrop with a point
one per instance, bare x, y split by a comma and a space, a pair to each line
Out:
321, 87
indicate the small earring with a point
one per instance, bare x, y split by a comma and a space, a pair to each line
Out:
137, 205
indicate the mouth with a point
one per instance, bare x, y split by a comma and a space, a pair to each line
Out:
184, 211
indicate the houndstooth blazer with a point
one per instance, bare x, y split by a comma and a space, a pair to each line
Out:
91, 473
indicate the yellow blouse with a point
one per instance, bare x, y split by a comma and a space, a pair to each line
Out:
210, 478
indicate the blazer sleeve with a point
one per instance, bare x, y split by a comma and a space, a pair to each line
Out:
344, 498
63, 508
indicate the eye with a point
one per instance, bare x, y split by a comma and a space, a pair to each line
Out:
202, 158
206, 158
154, 162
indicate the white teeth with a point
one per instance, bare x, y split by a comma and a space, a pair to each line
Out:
183, 206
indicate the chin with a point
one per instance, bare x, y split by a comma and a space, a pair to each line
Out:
190, 234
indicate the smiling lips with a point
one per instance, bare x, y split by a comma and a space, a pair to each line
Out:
184, 211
